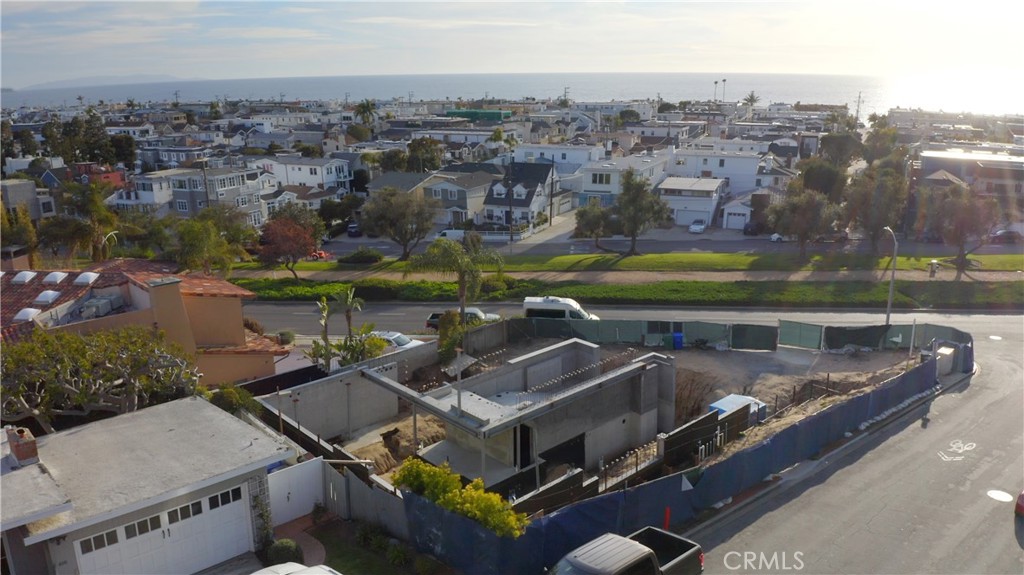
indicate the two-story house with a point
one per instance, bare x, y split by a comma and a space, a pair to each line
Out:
461, 196
521, 195
691, 199
39, 201
738, 169
602, 180
331, 174
194, 189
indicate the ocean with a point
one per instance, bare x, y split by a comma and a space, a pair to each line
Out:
877, 95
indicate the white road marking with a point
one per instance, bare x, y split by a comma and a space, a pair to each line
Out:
995, 337
392, 313
1000, 495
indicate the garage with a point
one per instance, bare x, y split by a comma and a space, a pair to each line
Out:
686, 217
185, 539
735, 220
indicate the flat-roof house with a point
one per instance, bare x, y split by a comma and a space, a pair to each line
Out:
169, 489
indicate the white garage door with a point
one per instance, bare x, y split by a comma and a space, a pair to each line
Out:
186, 539
735, 220
686, 217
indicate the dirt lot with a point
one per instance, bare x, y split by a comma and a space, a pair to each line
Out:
768, 376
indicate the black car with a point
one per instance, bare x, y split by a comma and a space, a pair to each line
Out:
1004, 237
354, 231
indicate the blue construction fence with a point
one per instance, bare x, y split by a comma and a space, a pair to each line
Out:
467, 546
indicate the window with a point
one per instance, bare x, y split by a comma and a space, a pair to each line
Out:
312, 171
705, 161
199, 204
182, 205
721, 163
243, 201
600, 178
47, 207
499, 192
437, 193
757, 182
142, 527
563, 156
98, 542
453, 194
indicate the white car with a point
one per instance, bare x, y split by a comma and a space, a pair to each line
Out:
397, 340
776, 238
698, 227
296, 569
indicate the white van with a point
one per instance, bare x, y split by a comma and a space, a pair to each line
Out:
453, 235
553, 307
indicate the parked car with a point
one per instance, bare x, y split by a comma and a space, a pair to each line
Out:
296, 569
698, 226
1018, 509
753, 228
1004, 237
649, 550
354, 231
397, 340
319, 255
474, 315
837, 237
777, 238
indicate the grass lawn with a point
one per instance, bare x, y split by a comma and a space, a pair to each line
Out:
676, 262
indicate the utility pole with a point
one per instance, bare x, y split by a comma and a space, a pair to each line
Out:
551, 196
856, 116
346, 99
176, 93
508, 193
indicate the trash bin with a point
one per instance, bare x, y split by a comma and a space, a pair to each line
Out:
667, 341
677, 340
932, 268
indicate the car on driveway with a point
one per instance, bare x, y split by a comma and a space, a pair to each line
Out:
354, 231
777, 238
698, 226
1004, 237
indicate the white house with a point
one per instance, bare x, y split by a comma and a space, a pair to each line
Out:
323, 173
169, 489
738, 169
559, 154
691, 198
602, 180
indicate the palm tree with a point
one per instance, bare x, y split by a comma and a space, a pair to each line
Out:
348, 301
364, 111
462, 260
750, 101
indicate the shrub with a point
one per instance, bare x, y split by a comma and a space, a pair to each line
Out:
286, 337
253, 325
284, 551
444, 487
362, 255
232, 399
493, 284
379, 543
319, 512
377, 289
366, 533
398, 555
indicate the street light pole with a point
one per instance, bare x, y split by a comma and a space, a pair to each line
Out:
892, 279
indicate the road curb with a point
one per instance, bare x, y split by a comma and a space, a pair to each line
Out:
796, 474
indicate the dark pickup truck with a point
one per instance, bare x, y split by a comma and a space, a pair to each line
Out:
648, 551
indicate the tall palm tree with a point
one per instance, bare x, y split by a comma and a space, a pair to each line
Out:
348, 301
364, 111
462, 260
751, 100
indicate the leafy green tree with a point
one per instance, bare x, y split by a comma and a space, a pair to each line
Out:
805, 215
234, 399
629, 116
360, 133
305, 217
286, 242
424, 155
89, 203
840, 149
24, 232
959, 216
404, 218
463, 260
394, 160
360, 180
7, 139
823, 177
146, 231
638, 208
878, 121
876, 200
233, 226
348, 302
667, 107
340, 210
201, 246
94, 143
592, 221
215, 113
879, 143
65, 233
27, 141
309, 150
124, 149
60, 373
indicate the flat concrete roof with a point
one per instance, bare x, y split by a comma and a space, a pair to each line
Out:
38, 495
137, 459
680, 183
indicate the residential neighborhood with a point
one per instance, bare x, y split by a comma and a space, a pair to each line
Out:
460, 311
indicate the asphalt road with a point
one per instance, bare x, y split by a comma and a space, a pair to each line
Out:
410, 318
927, 494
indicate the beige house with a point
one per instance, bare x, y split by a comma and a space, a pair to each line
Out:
201, 313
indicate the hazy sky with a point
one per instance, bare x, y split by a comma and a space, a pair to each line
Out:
44, 41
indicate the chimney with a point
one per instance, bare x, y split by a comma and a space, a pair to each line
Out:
23, 446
